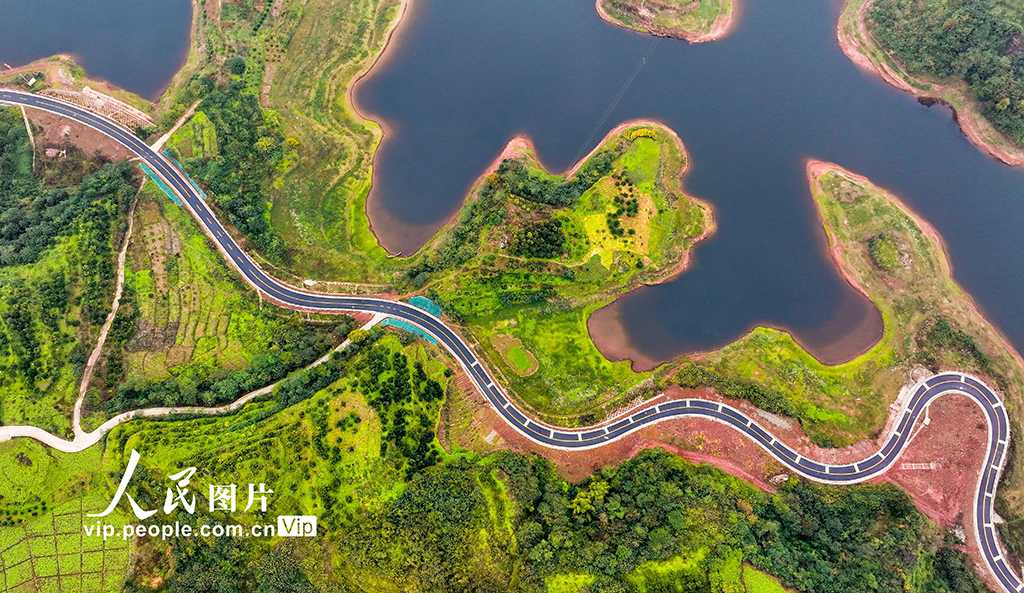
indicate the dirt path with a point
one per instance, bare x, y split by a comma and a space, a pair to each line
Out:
31, 137
181, 121
84, 440
76, 421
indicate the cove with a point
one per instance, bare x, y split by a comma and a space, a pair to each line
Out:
137, 45
463, 78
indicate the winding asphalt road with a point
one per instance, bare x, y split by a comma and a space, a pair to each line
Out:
645, 415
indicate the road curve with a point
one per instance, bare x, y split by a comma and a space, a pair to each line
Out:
588, 438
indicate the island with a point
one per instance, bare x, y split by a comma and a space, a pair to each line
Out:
696, 21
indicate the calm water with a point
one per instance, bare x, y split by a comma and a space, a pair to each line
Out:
137, 45
464, 77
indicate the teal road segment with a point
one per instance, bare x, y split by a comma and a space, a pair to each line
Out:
645, 415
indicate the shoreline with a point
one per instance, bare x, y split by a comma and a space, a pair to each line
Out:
610, 338
819, 168
522, 144
720, 28
614, 344
390, 40
973, 125
54, 64
370, 63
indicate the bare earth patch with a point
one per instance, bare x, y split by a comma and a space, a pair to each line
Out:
60, 131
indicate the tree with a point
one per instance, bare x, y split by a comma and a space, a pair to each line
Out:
265, 144
236, 65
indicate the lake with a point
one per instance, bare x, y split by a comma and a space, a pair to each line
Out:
462, 78
137, 45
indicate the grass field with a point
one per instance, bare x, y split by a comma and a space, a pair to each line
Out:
195, 139
756, 581
520, 358
559, 341
513, 351
690, 569
319, 190
43, 501
319, 205
569, 583
322, 456
280, 450
681, 569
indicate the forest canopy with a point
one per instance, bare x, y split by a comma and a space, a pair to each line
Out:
33, 215
978, 41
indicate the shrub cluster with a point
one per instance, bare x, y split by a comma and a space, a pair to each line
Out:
539, 239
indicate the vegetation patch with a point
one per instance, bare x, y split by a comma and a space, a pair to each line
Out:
886, 254
196, 139
57, 272
43, 501
960, 54
188, 332
657, 523
756, 581
517, 356
50, 552
973, 41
